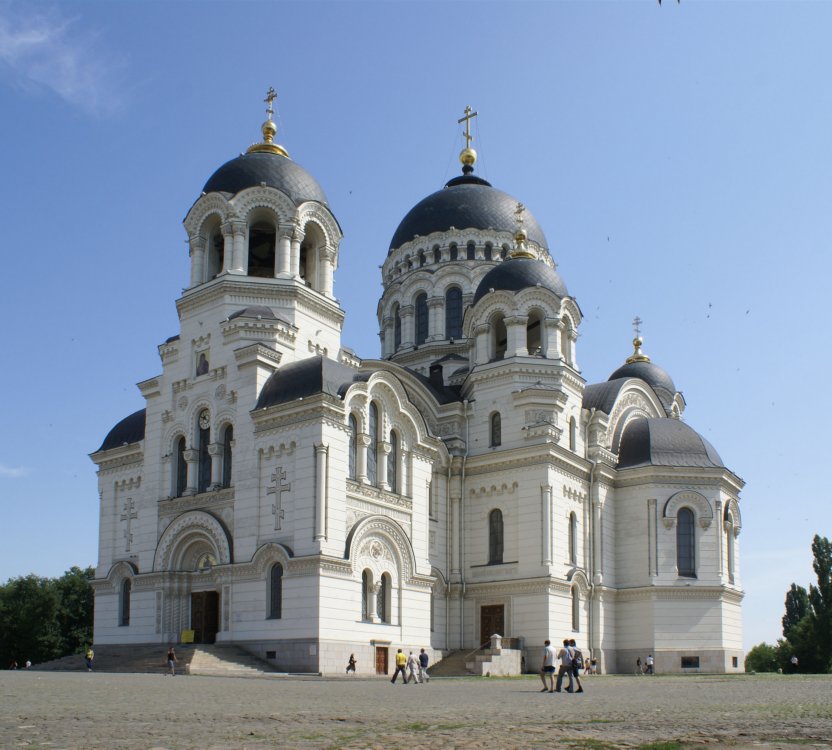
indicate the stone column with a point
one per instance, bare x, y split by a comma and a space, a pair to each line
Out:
482, 352
516, 332
227, 247
550, 338
284, 249
383, 452
546, 522
239, 262
597, 557
456, 520
215, 450
372, 601
479, 251
720, 536
652, 560
197, 260
408, 326
192, 459
325, 273
321, 462
436, 319
362, 443
573, 338
387, 336
294, 255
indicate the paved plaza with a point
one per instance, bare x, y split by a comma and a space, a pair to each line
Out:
140, 712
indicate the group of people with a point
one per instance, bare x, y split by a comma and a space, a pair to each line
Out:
647, 668
569, 661
412, 667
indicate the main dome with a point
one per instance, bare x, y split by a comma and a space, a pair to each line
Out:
466, 202
516, 274
264, 168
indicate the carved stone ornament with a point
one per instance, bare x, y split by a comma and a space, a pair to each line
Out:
219, 393
182, 403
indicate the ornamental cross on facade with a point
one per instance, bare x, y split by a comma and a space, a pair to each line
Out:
469, 114
127, 516
277, 489
271, 95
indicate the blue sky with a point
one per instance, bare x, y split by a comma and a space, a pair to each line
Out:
676, 156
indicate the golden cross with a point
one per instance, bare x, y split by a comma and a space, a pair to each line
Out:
520, 212
271, 95
467, 120
637, 325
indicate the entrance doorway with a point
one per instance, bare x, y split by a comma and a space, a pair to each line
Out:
205, 616
492, 620
381, 659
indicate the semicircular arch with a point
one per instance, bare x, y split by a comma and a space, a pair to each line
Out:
187, 534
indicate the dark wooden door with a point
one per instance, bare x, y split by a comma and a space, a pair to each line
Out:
492, 620
205, 616
381, 659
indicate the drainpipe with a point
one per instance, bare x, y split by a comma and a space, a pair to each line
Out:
462, 525
448, 561
593, 539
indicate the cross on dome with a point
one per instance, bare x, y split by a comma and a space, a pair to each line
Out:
468, 156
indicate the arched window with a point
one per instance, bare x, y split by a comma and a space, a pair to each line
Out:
685, 543
204, 473
275, 592
353, 449
488, 250
227, 451
397, 328
393, 463
437, 254
576, 609
565, 342
534, 340
383, 598
453, 313
573, 539
422, 259
215, 248
504, 251
181, 476
421, 318
573, 433
261, 254
729, 545
496, 430
372, 449
124, 603
495, 537
472, 251
454, 251
499, 342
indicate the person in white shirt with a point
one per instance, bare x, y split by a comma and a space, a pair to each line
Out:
548, 667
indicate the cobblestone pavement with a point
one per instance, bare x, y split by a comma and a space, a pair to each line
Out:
144, 712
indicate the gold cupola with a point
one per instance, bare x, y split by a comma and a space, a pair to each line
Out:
269, 129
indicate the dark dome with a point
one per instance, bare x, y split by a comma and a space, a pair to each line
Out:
651, 374
465, 202
129, 430
665, 442
254, 311
250, 170
517, 274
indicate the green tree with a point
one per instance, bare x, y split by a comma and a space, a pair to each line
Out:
75, 608
29, 620
797, 607
820, 597
762, 658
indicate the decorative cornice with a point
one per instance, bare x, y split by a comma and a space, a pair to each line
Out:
378, 496
214, 501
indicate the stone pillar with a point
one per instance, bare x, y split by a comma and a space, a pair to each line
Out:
294, 255
546, 523
516, 332
720, 536
239, 262
408, 326
192, 459
573, 338
227, 247
387, 336
197, 260
362, 443
215, 450
597, 557
551, 338
436, 318
479, 251
456, 521
406, 470
482, 352
372, 601
383, 452
284, 249
327, 258
652, 552
321, 464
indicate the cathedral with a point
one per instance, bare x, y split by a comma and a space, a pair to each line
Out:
280, 493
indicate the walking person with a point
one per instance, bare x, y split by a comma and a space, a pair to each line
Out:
577, 663
423, 666
565, 668
171, 660
401, 660
412, 669
639, 671
88, 657
351, 664
649, 669
547, 669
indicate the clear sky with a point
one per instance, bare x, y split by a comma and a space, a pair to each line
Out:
676, 156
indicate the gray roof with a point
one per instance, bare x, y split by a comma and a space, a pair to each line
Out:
129, 430
307, 377
466, 202
274, 170
602, 396
254, 311
665, 442
517, 274
650, 373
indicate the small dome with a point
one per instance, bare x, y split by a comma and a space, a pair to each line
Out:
516, 274
466, 202
129, 430
254, 311
650, 373
280, 172
665, 442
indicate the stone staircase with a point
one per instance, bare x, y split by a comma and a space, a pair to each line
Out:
451, 665
224, 660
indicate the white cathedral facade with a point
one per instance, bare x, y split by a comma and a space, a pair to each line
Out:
281, 494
